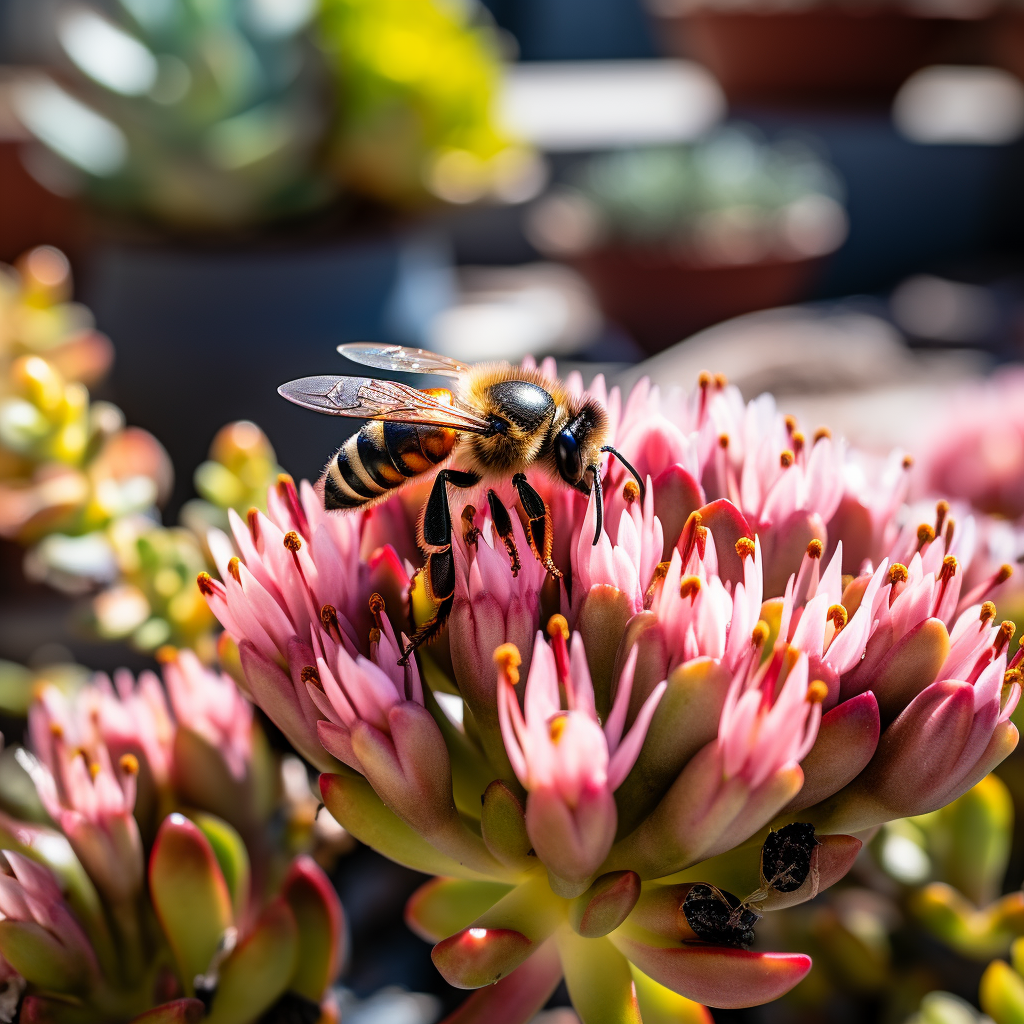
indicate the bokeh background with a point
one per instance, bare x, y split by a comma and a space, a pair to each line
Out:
204, 197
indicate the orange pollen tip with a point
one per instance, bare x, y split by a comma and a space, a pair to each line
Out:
1006, 629
721, 380
942, 508
329, 616
790, 422
723, 441
557, 726
94, 768
376, 603
898, 573
839, 616
704, 379
815, 548
284, 480
630, 492
374, 636
1005, 572
786, 459
129, 764
233, 569
948, 568
745, 547
925, 533
252, 516
689, 586
1011, 676
167, 654
908, 461
57, 730
790, 658
798, 440
988, 612
817, 691
557, 626
506, 657
205, 583
820, 433
310, 674
760, 633
292, 541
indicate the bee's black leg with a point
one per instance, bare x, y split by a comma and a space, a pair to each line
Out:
503, 524
538, 523
439, 571
598, 501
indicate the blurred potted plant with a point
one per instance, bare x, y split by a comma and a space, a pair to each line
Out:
814, 52
675, 239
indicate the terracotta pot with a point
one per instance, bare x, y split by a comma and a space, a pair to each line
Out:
660, 297
824, 54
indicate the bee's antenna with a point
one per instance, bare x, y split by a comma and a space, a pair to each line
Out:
635, 474
599, 495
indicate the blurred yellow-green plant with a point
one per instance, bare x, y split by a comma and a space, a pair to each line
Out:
417, 82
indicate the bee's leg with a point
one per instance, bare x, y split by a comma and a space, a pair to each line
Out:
439, 571
538, 527
503, 524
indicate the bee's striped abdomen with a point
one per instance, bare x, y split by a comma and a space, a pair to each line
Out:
380, 457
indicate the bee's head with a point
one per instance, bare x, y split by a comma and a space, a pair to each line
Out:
577, 446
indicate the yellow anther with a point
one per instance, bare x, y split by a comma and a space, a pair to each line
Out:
205, 583
129, 764
925, 534
723, 441
760, 633
817, 691
815, 548
948, 568
94, 767
557, 726
376, 603
292, 541
506, 657
839, 616
704, 379
57, 730
786, 459
798, 440
908, 461
790, 422
898, 573
721, 380
689, 586
557, 626
941, 511
233, 567
630, 491
1011, 676
988, 612
820, 433
310, 674
167, 654
745, 547
1005, 572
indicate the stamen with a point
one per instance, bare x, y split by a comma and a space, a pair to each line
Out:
374, 636
630, 491
723, 441
948, 568
205, 582
166, 655
94, 767
950, 529
987, 613
329, 618
57, 730
233, 569
704, 379
310, 674
760, 633
790, 422
839, 616
557, 626
696, 534
290, 496
129, 764
941, 511
721, 381
898, 573
659, 574
815, 548
745, 548
292, 541
817, 691
376, 603
689, 586
1003, 637
798, 441
925, 535
506, 657
908, 461
253, 517
822, 432
786, 459
1011, 676
470, 532
1005, 572
557, 726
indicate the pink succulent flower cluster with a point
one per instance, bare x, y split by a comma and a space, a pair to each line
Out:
128, 910
770, 636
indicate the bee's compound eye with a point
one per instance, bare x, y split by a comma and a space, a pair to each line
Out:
567, 457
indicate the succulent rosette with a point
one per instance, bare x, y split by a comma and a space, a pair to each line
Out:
615, 774
145, 889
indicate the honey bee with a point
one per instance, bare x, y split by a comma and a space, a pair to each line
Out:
500, 421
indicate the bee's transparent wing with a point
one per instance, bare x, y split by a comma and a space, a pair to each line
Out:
367, 399
398, 357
